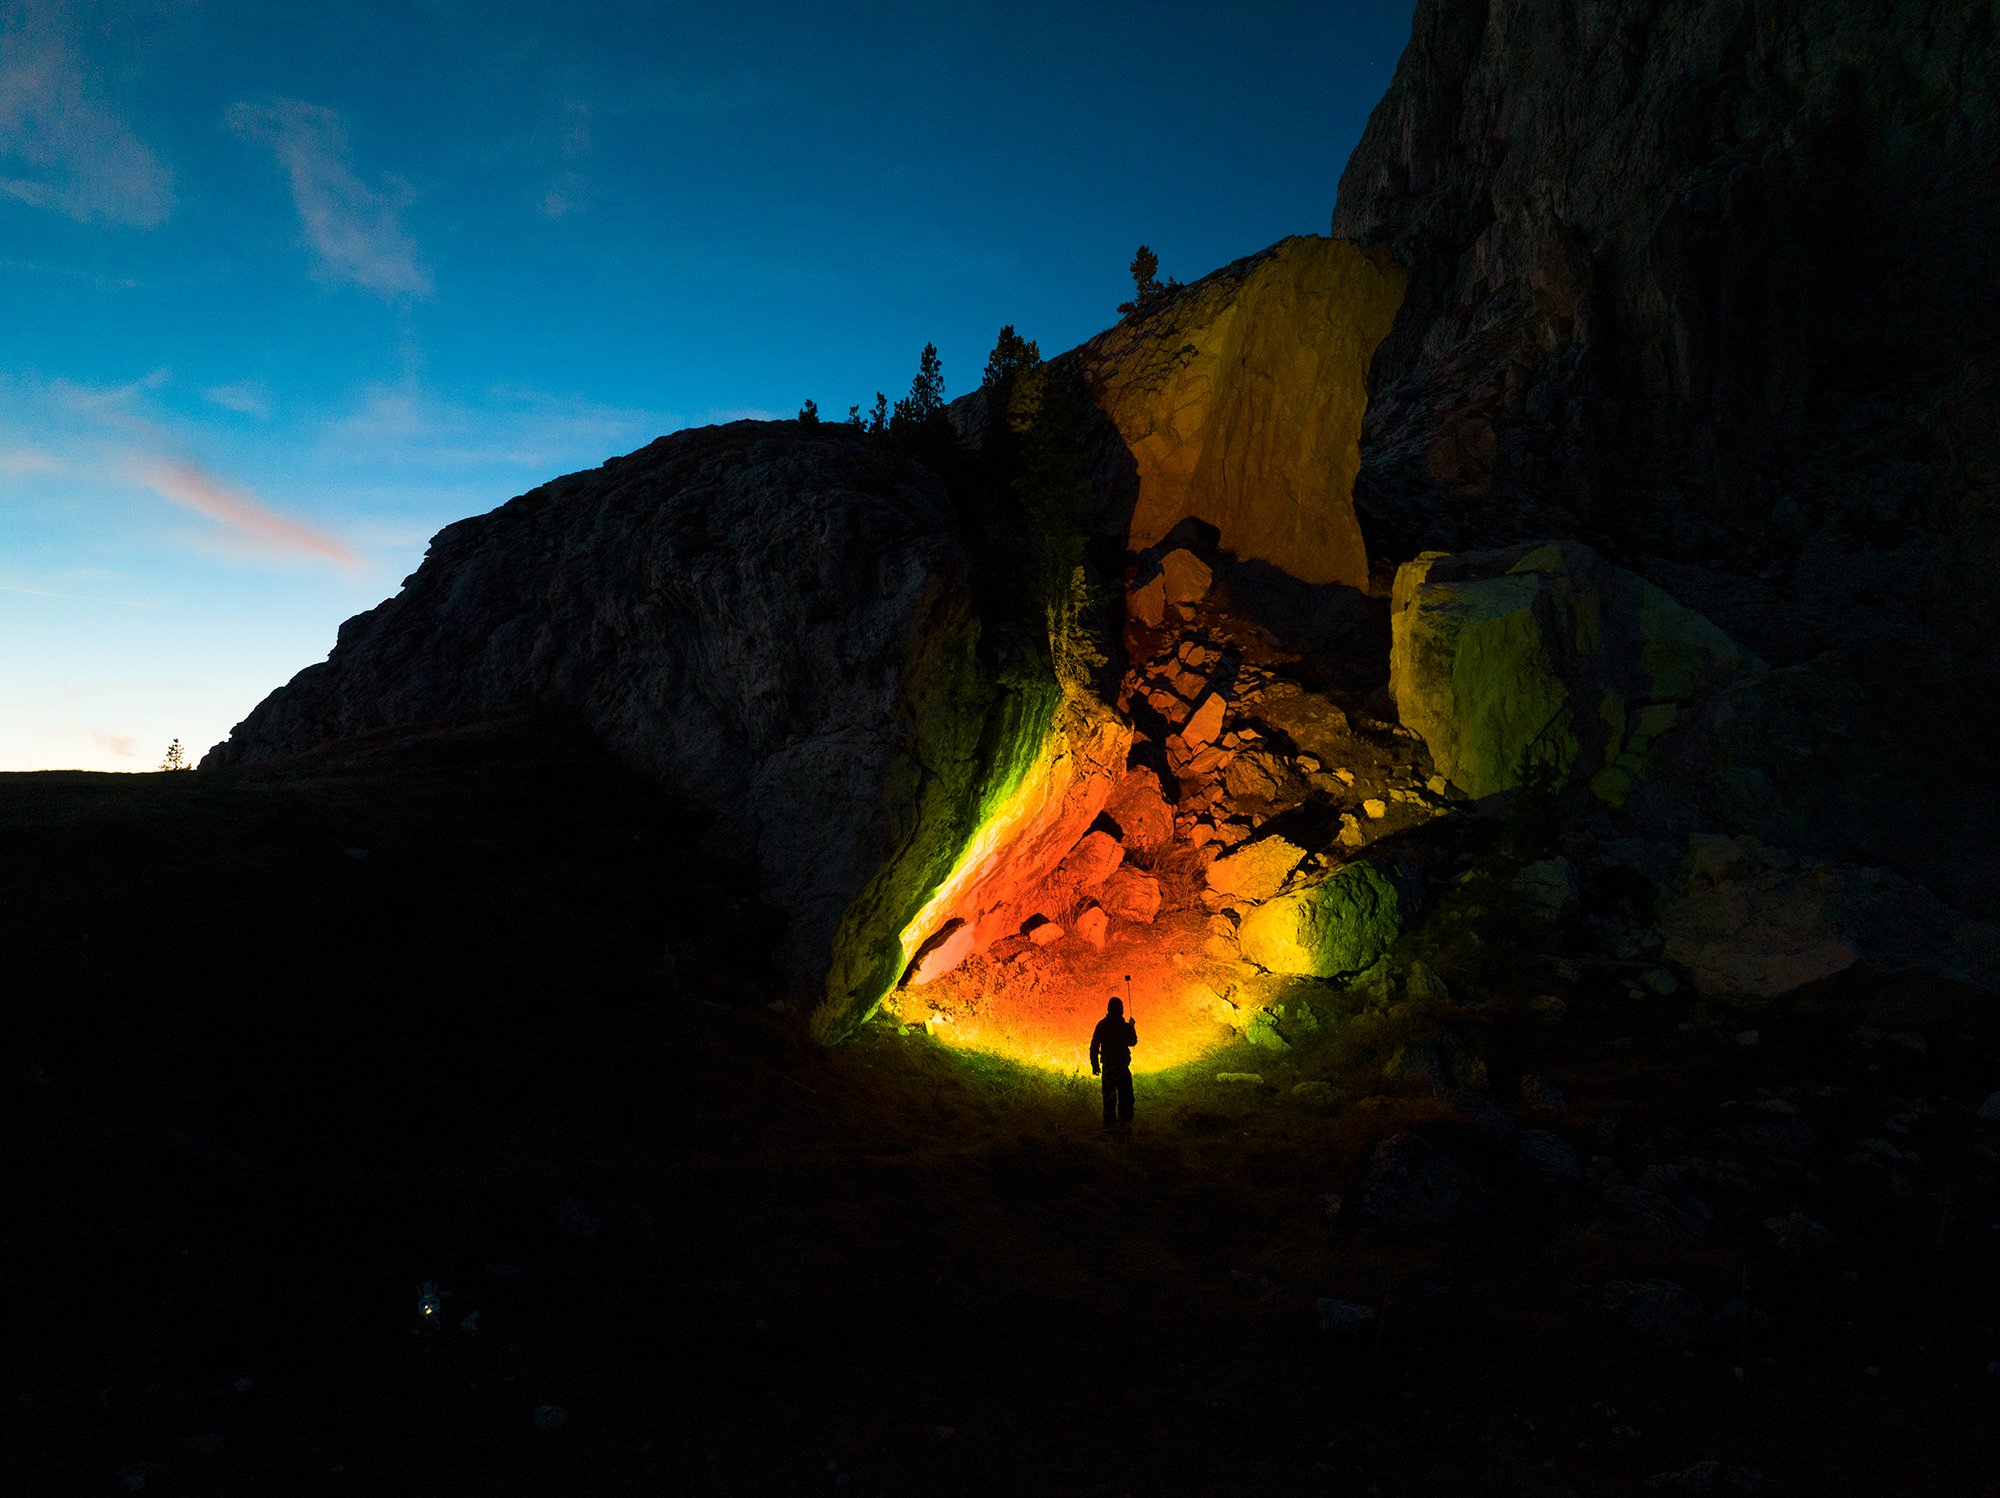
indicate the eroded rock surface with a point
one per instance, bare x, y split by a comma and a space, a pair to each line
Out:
761, 615
1240, 399
1653, 247
1547, 653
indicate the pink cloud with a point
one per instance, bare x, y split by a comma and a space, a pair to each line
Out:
188, 483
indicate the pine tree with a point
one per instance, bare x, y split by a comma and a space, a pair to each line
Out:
175, 757
809, 413
878, 419
1011, 354
854, 416
1147, 287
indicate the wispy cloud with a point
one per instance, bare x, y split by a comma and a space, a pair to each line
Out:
24, 462
64, 149
249, 397
121, 744
187, 483
353, 229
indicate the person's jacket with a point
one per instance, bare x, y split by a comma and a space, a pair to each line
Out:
1111, 1044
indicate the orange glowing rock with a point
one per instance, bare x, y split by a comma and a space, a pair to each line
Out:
1206, 723
1091, 926
1187, 576
1240, 401
1141, 811
1148, 605
1091, 861
1132, 896
943, 952
1256, 871
1046, 935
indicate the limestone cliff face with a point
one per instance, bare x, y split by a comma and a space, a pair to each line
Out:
1239, 400
758, 614
1659, 252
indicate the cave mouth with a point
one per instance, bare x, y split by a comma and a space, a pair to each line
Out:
1129, 856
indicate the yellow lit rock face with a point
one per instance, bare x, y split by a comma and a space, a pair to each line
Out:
1240, 399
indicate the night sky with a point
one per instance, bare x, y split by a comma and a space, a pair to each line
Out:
285, 289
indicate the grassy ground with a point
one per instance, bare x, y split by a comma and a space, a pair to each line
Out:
260, 1091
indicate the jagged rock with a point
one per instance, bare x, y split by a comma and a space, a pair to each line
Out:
1187, 577
1548, 653
1141, 811
1417, 1180
1547, 888
1256, 871
1147, 604
1260, 776
1335, 928
1750, 921
1091, 926
1091, 861
1239, 400
1131, 896
1200, 730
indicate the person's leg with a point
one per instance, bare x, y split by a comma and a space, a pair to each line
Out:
1125, 1097
1110, 1098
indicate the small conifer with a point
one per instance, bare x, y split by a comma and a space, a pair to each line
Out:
1147, 286
1011, 354
175, 758
809, 413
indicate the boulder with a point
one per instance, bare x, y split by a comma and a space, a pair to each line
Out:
1546, 653
1335, 928
1091, 926
1091, 861
1418, 1180
1748, 921
1238, 401
1141, 811
1256, 871
1129, 895
1201, 729
1147, 604
1187, 577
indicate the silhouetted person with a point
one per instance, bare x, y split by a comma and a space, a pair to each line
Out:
1111, 1048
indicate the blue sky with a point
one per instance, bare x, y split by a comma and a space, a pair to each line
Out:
284, 289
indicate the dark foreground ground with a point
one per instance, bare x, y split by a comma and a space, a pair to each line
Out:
282, 1047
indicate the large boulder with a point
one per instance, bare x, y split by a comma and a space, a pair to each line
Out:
1332, 929
1239, 401
1749, 921
766, 617
1547, 654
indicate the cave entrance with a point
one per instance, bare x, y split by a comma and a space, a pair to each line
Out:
1144, 840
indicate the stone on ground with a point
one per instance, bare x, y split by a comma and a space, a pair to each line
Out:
1256, 871
1337, 927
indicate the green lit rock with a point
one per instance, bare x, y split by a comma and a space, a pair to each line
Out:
1337, 927
1547, 654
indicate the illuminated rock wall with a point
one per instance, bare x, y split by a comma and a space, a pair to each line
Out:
1240, 401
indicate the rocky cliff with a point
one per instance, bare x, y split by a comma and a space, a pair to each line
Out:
1662, 255
777, 621
1238, 402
